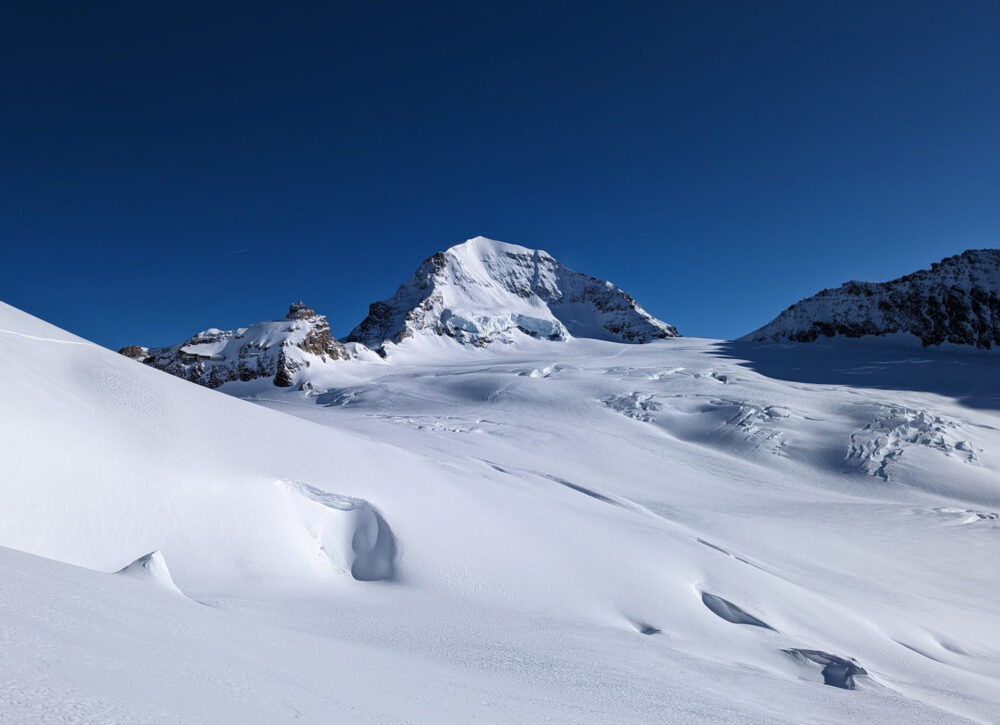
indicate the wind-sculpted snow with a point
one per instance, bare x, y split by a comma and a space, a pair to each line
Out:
955, 301
682, 438
483, 291
114, 459
355, 527
728, 611
479, 537
969, 516
151, 568
837, 671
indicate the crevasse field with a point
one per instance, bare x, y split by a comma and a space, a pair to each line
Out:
686, 531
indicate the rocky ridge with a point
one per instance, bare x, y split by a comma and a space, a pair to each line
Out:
276, 349
476, 293
955, 301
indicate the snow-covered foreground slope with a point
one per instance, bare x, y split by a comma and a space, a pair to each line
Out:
589, 532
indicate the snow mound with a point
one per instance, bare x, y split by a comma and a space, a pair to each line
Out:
955, 301
151, 568
357, 529
645, 627
484, 291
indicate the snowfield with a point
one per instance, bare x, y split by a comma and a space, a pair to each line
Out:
578, 531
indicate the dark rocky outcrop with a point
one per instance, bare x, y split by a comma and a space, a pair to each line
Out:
136, 352
956, 301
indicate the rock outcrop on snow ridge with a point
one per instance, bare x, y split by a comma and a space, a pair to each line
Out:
275, 349
484, 291
955, 301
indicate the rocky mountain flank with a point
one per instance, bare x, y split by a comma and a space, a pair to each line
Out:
483, 291
276, 349
476, 293
955, 301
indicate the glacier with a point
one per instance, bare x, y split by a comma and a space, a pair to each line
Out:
588, 531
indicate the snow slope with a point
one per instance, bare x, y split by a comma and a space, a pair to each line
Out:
485, 291
585, 532
955, 301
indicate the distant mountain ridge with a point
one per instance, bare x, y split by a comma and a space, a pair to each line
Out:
476, 293
954, 301
483, 291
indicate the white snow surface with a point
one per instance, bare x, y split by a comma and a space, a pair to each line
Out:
592, 532
484, 291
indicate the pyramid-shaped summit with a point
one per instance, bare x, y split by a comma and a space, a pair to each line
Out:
483, 291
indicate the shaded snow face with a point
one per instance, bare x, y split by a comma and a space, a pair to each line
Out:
955, 301
483, 291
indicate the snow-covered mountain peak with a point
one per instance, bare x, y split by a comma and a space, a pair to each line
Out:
484, 291
277, 349
954, 301
485, 246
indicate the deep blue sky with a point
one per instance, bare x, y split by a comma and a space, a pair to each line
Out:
166, 167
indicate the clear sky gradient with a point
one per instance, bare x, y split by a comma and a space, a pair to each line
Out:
168, 167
